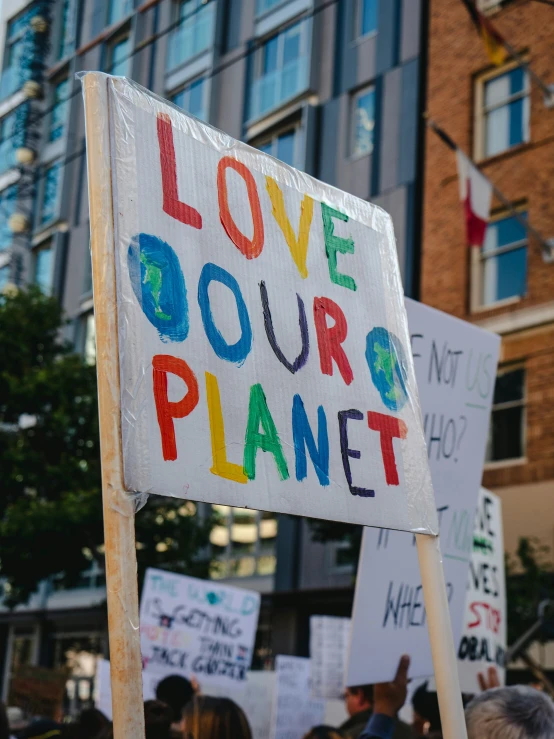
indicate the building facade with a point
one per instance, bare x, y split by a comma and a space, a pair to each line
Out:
332, 87
499, 116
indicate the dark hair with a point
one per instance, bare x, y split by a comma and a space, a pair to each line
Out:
91, 723
175, 691
158, 718
323, 732
215, 718
4, 723
426, 703
365, 690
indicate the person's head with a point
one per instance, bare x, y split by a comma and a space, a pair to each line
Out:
92, 723
158, 718
175, 691
517, 712
426, 711
205, 717
358, 698
322, 732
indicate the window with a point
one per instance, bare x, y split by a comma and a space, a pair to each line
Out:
8, 201
504, 261
50, 197
5, 274
366, 17
43, 266
118, 9
262, 6
8, 127
192, 98
363, 122
243, 542
280, 69
119, 57
59, 109
66, 40
283, 146
504, 110
507, 429
194, 33
18, 34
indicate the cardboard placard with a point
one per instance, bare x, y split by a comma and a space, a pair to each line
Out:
329, 637
255, 697
198, 628
483, 641
263, 343
456, 368
295, 712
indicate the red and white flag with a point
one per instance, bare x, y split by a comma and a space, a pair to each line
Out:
476, 195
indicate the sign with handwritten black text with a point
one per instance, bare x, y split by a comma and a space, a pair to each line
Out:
455, 366
197, 627
483, 641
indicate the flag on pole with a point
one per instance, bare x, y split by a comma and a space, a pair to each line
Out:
494, 43
476, 195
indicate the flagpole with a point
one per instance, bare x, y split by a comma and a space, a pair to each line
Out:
546, 246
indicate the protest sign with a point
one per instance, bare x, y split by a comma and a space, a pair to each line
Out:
38, 691
329, 636
197, 627
455, 367
263, 343
294, 710
483, 641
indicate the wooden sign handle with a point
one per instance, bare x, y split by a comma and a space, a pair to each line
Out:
440, 635
119, 511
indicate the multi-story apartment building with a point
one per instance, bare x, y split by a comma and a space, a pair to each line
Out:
333, 87
500, 117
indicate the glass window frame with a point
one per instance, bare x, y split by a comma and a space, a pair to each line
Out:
359, 34
273, 138
352, 153
186, 90
520, 403
46, 245
55, 104
111, 45
484, 256
280, 35
482, 110
47, 167
227, 564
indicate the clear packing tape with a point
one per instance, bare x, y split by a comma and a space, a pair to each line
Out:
256, 316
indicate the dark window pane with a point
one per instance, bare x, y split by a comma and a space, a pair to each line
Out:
509, 386
270, 56
505, 276
507, 434
517, 80
285, 148
291, 50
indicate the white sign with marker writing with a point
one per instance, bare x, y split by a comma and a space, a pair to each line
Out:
455, 366
483, 641
329, 636
294, 709
197, 627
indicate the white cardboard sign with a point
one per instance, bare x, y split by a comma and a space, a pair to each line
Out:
456, 368
329, 637
483, 641
264, 348
295, 712
103, 687
255, 697
197, 628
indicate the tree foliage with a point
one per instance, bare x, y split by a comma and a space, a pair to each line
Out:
51, 503
529, 580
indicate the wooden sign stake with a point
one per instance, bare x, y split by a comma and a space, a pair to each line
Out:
440, 636
119, 512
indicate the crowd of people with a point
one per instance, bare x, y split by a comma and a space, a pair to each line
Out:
180, 711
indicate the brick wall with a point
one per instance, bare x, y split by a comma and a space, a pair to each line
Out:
524, 173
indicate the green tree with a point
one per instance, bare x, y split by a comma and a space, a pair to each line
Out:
51, 504
529, 580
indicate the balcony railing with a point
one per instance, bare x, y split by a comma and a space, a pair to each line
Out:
192, 37
10, 82
274, 89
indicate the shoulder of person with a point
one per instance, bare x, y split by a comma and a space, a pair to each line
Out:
402, 730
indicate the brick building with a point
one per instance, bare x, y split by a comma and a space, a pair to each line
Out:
499, 117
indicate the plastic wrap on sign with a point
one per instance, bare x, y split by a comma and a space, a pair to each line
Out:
264, 350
